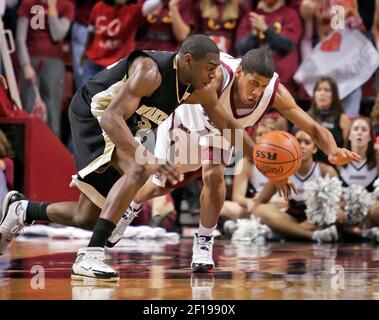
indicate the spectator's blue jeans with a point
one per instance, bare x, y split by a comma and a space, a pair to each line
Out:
89, 70
50, 80
79, 34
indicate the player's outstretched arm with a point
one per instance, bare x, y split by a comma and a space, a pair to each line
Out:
285, 103
144, 79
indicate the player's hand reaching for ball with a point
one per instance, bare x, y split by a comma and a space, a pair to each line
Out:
284, 188
343, 156
167, 170
159, 167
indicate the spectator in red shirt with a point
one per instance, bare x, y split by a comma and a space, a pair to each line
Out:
167, 26
277, 27
41, 27
219, 20
252, 4
113, 25
295, 4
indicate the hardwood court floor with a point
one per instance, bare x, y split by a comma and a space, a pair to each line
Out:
153, 269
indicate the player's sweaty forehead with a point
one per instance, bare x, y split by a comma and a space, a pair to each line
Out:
211, 60
257, 80
213, 63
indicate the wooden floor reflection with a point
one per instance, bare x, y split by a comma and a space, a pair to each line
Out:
153, 269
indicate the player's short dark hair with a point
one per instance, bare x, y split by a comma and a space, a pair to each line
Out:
258, 61
198, 46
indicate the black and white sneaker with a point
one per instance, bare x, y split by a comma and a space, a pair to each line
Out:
202, 252
121, 226
12, 222
89, 264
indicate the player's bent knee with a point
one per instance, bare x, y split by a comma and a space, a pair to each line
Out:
213, 178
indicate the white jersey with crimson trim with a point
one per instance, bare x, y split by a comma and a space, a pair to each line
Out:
194, 118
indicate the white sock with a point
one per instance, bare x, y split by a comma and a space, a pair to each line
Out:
203, 231
135, 205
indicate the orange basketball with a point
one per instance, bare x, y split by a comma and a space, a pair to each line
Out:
277, 155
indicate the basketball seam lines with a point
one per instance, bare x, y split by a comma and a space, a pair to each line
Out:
274, 145
295, 147
275, 162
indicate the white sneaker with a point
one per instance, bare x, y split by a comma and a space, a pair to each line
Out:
89, 264
372, 234
329, 234
12, 222
121, 226
202, 252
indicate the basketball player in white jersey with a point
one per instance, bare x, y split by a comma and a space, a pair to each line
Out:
246, 89
293, 222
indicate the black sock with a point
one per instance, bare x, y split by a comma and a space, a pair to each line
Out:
36, 211
102, 231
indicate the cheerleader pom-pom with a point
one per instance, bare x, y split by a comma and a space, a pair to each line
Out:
250, 230
322, 198
357, 203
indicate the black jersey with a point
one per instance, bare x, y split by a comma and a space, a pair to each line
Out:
92, 146
102, 88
